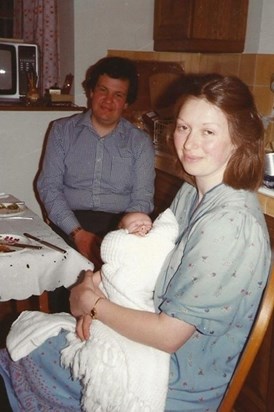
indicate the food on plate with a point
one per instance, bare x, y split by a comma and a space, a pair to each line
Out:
9, 206
6, 208
13, 206
5, 249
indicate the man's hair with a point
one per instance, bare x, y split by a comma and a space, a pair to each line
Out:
233, 97
116, 68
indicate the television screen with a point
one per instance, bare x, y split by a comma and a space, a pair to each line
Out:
7, 69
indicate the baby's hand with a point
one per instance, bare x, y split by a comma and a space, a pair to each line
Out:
140, 228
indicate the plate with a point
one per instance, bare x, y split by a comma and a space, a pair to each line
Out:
10, 240
11, 209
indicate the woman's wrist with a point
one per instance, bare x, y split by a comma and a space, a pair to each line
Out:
93, 313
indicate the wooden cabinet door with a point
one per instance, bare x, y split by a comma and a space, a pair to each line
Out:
172, 19
200, 25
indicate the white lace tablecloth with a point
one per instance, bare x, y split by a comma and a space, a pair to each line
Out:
30, 271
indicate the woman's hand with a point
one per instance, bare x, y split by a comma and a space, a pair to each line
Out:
82, 299
84, 294
83, 327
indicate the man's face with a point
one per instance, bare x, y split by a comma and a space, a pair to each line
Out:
108, 101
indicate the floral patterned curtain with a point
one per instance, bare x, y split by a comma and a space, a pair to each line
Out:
36, 21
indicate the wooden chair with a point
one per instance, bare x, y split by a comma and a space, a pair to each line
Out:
252, 347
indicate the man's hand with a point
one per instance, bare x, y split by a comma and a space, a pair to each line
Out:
88, 244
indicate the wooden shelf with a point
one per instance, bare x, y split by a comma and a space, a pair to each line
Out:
39, 108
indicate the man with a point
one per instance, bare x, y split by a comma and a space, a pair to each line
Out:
97, 165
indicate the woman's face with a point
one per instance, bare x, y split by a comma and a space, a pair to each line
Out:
202, 141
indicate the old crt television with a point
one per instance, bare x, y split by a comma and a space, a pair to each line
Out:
16, 59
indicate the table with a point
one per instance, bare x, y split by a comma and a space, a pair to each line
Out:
33, 272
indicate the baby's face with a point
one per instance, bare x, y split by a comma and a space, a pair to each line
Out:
136, 223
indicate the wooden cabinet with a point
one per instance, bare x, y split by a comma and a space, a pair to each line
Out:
6, 18
166, 187
200, 25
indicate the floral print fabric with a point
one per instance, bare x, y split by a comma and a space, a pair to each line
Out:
214, 281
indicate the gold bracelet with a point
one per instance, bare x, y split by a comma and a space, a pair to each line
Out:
74, 232
93, 311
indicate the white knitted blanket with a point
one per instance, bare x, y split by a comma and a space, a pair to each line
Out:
119, 375
32, 328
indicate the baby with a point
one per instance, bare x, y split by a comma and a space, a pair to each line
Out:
118, 374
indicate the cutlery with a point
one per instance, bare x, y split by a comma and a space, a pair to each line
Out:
45, 243
20, 245
16, 217
19, 203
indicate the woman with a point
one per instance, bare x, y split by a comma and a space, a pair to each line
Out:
209, 288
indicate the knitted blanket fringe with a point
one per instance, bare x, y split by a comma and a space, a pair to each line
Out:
108, 376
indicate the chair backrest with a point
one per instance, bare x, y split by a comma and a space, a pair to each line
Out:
251, 348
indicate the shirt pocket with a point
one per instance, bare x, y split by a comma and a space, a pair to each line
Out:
121, 173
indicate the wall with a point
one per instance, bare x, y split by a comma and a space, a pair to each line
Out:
66, 39
22, 136
100, 25
108, 24
260, 28
253, 29
90, 28
266, 44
